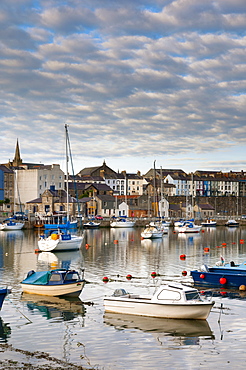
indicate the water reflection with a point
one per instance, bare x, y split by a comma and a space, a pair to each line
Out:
61, 309
66, 260
5, 331
187, 331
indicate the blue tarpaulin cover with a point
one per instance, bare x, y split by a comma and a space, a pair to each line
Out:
39, 278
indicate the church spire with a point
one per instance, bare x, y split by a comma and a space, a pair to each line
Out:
17, 159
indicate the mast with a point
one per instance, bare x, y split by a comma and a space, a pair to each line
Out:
155, 213
161, 196
67, 159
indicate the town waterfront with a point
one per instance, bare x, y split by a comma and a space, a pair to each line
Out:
82, 334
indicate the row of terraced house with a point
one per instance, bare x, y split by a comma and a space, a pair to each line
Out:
39, 188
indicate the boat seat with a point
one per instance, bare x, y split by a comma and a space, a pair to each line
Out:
204, 268
232, 264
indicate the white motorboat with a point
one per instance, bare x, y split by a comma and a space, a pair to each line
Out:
160, 226
60, 242
11, 225
232, 223
151, 232
122, 222
189, 227
91, 225
55, 283
174, 301
209, 223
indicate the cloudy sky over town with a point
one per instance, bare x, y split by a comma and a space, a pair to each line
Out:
136, 81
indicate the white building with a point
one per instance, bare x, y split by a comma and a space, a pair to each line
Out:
31, 183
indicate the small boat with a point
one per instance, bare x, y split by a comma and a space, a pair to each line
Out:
221, 275
122, 222
232, 223
209, 223
189, 227
55, 283
174, 301
11, 225
59, 242
151, 232
3, 293
91, 225
160, 226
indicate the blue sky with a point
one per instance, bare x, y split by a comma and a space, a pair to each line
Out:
136, 81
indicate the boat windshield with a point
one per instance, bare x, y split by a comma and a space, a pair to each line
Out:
192, 295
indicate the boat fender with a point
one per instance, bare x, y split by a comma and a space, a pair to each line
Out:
223, 280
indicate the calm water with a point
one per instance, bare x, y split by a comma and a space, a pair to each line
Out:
84, 335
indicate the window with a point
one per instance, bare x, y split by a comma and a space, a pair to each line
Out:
169, 294
55, 277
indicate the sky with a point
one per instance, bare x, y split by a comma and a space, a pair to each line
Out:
135, 81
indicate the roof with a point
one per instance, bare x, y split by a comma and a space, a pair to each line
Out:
205, 206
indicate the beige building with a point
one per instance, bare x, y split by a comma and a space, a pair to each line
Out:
31, 183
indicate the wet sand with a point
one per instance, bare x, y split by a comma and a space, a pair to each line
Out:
12, 358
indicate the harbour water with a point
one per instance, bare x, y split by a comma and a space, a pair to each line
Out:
84, 335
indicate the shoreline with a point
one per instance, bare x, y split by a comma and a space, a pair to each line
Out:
13, 358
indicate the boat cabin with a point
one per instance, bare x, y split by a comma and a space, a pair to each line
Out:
52, 277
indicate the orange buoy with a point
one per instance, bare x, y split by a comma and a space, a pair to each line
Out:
223, 243
242, 287
184, 273
54, 236
223, 280
115, 241
206, 249
241, 241
37, 250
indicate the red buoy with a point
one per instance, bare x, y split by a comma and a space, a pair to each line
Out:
223, 280
105, 279
184, 273
129, 277
153, 274
115, 241
182, 256
206, 249
202, 276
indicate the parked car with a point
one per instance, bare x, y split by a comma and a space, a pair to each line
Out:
98, 217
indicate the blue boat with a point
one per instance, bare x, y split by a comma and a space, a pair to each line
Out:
3, 293
56, 283
227, 275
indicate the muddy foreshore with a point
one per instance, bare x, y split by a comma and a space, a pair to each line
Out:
12, 358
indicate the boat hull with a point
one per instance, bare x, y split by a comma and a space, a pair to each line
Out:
48, 245
151, 235
16, 226
72, 290
3, 293
193, 311
183, 229
219, 278
122, 224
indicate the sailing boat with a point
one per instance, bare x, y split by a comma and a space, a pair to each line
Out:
61, 240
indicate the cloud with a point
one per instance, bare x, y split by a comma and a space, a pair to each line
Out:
132, 79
